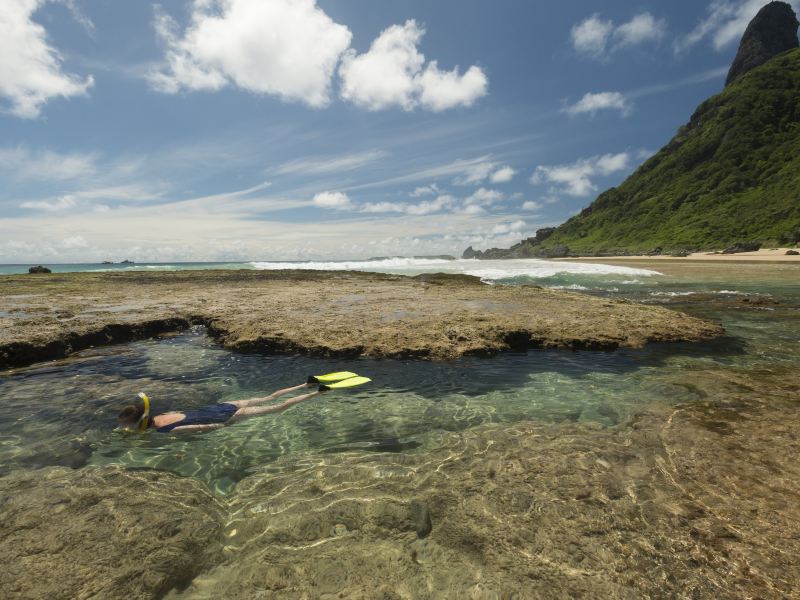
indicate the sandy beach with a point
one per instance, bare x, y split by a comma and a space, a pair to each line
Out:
765, 255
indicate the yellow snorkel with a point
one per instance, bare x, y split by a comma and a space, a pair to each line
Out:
144, 420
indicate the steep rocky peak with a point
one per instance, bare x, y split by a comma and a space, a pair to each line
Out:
772, 31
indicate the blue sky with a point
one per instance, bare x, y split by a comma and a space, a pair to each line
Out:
294, 129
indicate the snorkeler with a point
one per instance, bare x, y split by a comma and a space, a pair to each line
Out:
136, 417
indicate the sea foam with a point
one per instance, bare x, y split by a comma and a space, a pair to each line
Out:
488, 270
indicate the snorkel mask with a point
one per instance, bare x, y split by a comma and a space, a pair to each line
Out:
144, 420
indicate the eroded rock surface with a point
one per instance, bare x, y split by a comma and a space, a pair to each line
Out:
696, 501
343, 314
104, 533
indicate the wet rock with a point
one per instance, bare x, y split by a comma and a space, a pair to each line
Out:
39, 269
471, 253
103, 533
313, 314
772, 31
422, 519
742, 247
792, 253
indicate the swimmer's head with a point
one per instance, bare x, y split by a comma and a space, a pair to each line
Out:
130, 417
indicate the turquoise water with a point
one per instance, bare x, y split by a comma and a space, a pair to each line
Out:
63, 412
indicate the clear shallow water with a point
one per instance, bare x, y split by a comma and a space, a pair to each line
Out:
62, 412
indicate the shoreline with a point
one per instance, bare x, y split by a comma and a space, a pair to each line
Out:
771, 255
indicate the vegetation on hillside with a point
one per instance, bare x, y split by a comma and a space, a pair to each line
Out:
731, 174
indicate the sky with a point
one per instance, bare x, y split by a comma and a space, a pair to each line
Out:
233, 130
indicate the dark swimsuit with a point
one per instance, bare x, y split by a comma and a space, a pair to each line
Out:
215, 413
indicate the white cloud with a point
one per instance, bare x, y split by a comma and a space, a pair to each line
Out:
592, 103
591, 36
509, 227
531, 205
427, 190
390, 74
598, 38
287, 48
24, 164
333, 200
575, 179
484, 196
641, 28
328, 164
30, 69
474, 173
75, 241
441, 90
59, 204
481, 170
724, 23
440, 203
503, 175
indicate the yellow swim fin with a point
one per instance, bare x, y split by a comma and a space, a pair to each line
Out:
331, 377
345, 383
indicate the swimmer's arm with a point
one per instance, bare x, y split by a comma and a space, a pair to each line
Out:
209, 427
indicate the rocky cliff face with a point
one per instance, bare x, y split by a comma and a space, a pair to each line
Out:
772, 31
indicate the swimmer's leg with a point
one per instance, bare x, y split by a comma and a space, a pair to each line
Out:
252, 411
255, 401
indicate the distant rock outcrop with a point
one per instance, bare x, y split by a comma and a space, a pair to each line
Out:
39, 269
772, 31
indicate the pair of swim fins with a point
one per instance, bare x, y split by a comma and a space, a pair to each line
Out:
335, 381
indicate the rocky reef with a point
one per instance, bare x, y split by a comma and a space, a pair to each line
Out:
342, 314
772, 31
104, 533
695, 500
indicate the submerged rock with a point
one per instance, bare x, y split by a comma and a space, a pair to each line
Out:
104, 533
772, 31
422, 518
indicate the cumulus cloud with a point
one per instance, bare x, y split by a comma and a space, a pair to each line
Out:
591, 36
333, 200
438, 204
531, 205
391, 74
592, 103
598, 38
641, 28
724, 23
576, 179
503, 175
30, 69
287, 48
484, 197
425, 190
477, 172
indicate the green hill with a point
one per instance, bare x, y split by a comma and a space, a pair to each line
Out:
731, 174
